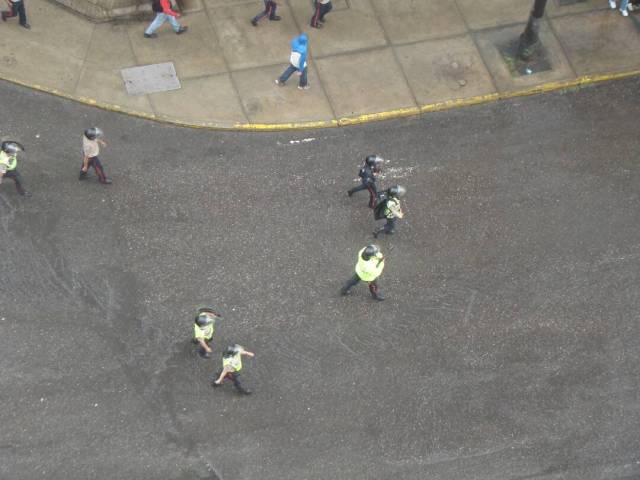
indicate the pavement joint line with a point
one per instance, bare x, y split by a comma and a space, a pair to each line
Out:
548, 87
474, 39
313, 64
562, 48
568, 14
226, 63
84, 59
393, 52
137, 60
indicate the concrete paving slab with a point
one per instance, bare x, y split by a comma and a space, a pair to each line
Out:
440, 70
345, 30
206, 99
347, 80
246, 46
407, 21
488, 42
265, 101
555, 9
34, 63
599, 41
494, 13
106, 84
213, 4
110, 46
195, 53
57, 29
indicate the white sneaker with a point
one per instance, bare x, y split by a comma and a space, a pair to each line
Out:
306, 87
630, 8
624, 13
612, 4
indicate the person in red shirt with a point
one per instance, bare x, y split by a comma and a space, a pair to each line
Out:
164, 13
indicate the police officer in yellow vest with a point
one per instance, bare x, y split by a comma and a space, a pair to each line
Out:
231, 366
388, 207
9, 163
368, 269
203, 328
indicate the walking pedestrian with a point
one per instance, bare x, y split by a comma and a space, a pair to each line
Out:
368, 173
91, 142
164, 13
16, 7
269, 10
9, 165
231, 366
389, 208
624, 7
368, 268
322, 7
297, 62
204, 327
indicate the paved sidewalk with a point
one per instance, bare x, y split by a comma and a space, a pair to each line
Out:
372, 56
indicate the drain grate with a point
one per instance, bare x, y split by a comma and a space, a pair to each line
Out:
159, 77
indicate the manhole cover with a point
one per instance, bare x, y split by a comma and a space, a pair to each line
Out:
159, 77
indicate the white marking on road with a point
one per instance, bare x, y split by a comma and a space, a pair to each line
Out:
397, 172
304, 140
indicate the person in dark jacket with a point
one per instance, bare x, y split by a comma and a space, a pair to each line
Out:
371, 168
164, 13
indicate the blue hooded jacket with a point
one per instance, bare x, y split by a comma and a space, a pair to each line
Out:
299, 45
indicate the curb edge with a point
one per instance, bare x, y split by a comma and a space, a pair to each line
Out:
583, 80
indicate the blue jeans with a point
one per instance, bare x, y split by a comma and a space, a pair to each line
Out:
159, 20
289, 71
623, 5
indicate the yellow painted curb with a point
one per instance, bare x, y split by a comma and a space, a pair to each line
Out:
344, 121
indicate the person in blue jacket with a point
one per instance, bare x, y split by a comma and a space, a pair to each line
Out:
297, 62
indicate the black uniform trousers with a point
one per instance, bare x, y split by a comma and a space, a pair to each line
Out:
389, 228
17, 9
269, 9
97, 166
370, 185
235, 378
320, 12
353, 281
17, 178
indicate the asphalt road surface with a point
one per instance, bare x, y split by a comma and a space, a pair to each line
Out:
508, 348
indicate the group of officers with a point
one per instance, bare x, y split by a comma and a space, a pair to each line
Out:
92, 140
369, 265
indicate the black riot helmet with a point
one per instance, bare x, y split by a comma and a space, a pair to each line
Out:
11, 148
92, 133
206, 316
375, 162
231, 350
397, 191
370, 251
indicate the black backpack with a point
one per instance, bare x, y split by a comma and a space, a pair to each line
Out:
155, 6
381, 204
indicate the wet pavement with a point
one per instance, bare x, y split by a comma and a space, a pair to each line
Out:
371, 56
508, 347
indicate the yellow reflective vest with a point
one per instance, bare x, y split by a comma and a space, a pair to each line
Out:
369, 270
392, 208
204, 333
234, 362
8, 162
